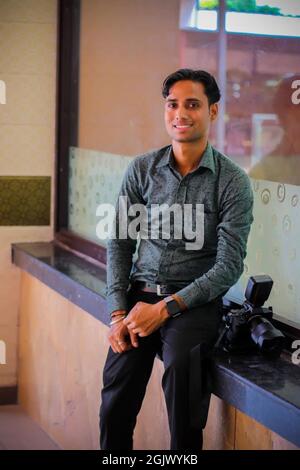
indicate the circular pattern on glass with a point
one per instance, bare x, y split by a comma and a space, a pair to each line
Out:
255, 185
295, 200
265, 196
276, 251
286, 224
281, 192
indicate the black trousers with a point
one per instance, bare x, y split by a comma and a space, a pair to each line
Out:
183, 343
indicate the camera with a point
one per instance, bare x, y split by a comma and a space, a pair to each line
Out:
249, 328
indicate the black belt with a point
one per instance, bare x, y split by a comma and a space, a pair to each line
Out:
158, 289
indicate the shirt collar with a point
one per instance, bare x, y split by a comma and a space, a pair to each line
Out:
207, 160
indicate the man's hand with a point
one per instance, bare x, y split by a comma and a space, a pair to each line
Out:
145, 318
120, 338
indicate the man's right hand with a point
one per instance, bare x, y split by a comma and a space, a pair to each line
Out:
120, 337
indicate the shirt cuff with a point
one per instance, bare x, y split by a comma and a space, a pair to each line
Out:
193, 295
117, 301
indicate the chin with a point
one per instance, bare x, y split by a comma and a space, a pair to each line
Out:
185, 140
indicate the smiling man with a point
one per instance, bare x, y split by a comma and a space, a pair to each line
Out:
167, 301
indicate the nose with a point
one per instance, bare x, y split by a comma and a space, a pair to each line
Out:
180, 113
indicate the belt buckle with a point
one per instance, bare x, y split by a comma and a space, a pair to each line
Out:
158, 290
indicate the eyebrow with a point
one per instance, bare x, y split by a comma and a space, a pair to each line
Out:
188, 99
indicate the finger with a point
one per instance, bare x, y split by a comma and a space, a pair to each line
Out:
122, 343
137, 331
127, 320
133, 339
112, 343
116, 347
131, 325
122, 346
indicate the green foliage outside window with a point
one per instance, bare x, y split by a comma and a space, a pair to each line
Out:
242, 6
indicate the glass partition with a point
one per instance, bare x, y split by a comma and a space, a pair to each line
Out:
127, 48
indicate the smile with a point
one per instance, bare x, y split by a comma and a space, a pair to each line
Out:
182, 127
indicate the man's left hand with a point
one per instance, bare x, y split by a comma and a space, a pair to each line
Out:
145, 318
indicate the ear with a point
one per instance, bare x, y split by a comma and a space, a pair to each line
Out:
213, 111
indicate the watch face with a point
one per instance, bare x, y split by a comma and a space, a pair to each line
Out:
173, 308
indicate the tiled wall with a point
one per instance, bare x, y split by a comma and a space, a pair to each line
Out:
27, 140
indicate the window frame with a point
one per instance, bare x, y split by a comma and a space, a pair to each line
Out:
68, 55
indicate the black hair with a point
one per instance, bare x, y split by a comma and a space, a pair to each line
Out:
208, 81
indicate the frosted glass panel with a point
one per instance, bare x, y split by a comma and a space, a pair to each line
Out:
94, 178
274, 247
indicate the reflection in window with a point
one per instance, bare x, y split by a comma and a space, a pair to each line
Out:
267, 17
202, 15
282, 161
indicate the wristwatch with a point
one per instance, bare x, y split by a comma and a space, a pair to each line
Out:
173, 307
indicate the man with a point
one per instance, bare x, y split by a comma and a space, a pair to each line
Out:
167, 300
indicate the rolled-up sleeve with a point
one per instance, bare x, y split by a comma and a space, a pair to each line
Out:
235, 219
120, 251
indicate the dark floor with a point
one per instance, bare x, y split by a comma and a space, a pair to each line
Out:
19, 432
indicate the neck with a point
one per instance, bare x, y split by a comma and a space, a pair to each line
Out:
188, 155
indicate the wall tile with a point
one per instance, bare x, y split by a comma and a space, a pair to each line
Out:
27, 48
30, 99
40, 11
25, 200
27, 150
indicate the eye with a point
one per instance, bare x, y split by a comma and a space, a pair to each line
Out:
193, 105
171, 105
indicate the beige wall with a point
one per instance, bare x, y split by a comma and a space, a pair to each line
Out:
127, 48
27, 138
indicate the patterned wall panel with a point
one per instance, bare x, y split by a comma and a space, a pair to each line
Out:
273, 247
94, 178
25, 200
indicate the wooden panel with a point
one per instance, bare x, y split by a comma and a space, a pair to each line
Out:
220, 429
251, 435
62, 350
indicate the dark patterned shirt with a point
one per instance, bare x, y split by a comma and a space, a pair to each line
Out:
225, 191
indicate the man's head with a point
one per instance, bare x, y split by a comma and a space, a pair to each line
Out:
209, 83
191, 104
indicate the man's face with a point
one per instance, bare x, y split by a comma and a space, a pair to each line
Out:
187, 112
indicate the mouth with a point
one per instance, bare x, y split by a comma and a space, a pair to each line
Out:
182, 127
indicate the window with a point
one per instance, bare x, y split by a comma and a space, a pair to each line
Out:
114, 58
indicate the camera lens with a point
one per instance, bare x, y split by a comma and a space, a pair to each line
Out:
266, 336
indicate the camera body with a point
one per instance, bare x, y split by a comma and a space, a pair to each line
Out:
248, 328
